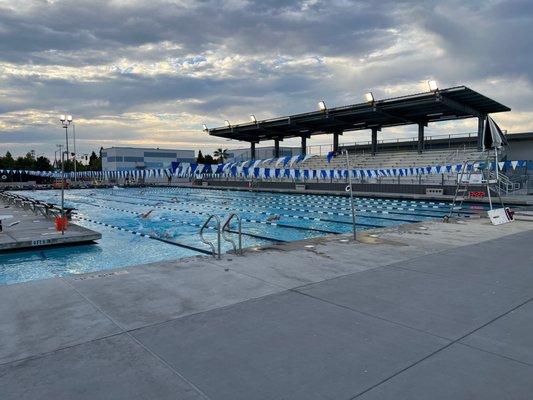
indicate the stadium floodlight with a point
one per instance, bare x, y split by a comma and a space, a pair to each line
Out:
204, 126
322, 105
369, 97
62, 118
227, 123
253, 119
433, 87
69, 118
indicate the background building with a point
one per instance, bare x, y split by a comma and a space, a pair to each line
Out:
126, 158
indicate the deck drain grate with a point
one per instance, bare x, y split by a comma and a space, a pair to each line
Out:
101, 275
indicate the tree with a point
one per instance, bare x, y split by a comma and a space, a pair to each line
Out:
221, 155
7, 161
200, 159
43, 164
208, 159
95, 162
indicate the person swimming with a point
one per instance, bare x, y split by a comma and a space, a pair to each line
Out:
274, 217
146, 214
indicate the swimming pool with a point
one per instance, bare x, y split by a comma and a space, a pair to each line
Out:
176, 216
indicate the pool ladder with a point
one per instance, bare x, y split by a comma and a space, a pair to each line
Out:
222, 229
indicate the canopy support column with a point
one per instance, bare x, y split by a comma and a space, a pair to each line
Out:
420, 138
252, 150
336, 141
276, 148
304, 145
374, 140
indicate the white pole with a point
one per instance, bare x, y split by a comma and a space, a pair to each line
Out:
351, 195
62, 190
74, 136
496, 163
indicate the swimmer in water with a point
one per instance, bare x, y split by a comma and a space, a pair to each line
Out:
272, 218
146, 214
174, 200
167, 235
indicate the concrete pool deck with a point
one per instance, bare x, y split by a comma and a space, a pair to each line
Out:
418, 311
33, 230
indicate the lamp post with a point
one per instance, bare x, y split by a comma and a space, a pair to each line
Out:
74, 152
66, 120
60, 146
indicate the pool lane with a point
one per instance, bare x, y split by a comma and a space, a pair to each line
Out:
204, 215
328, 201
307, 218
369, 211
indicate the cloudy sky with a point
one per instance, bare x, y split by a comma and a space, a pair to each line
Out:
150, 72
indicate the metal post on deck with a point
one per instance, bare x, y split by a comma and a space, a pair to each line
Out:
420, 138
351, 195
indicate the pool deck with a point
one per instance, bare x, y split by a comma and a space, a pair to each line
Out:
37, 231
422, 311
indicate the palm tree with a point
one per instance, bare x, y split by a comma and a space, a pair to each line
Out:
221, 154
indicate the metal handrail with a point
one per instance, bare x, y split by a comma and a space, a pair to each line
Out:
207, 242
225, 228
27, 203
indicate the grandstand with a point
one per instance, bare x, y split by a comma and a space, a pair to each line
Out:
418, 109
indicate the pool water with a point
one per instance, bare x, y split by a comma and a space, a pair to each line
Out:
176, 215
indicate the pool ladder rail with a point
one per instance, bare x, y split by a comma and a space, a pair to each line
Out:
222, 229
237, 247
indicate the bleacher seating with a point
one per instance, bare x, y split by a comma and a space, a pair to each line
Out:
397, 159
393, 159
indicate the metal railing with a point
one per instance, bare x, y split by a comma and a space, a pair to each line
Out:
505, 184
216, 251
48, 210
237, 248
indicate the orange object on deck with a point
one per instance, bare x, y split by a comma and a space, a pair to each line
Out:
61, 223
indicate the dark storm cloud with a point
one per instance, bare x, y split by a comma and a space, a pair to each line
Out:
255, 27
217, 58
495, 39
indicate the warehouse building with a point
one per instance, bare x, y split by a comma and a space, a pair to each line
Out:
128, 158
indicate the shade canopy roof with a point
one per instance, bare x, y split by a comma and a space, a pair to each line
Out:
440, 105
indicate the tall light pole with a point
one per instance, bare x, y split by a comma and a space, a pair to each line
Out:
65, 122
74, 137
60, 146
